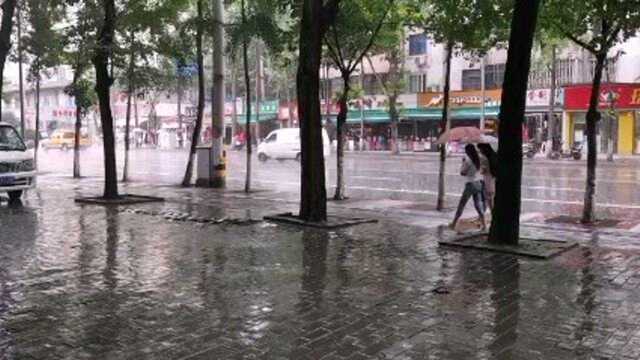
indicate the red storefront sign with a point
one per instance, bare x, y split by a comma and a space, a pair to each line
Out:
626, 96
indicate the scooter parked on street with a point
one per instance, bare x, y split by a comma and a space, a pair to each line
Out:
575, 152
530, 149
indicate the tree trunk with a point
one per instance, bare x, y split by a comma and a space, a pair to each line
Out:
551, 120
78, 125
259, 89
505, 227
234, 95
76, 143
393, 112
179, 89
444, 126
593, 115
127, 126
313, 197
37, 103
127, 145
289, 107
103, 85
247, 102
188, 174
340, 121
611, 133
8, 8
20, 74
289, 104
217, 178
135, 111
392, 95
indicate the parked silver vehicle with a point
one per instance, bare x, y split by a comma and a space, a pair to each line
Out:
17, 168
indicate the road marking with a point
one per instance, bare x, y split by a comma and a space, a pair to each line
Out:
456, 195
635, 229
579, 179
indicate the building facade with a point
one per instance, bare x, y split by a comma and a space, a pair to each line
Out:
422, 98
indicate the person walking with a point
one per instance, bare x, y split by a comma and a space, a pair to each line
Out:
473, 186
488, 169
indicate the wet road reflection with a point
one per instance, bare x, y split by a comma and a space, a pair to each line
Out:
98, 283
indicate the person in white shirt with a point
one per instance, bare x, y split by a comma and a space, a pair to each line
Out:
473, 186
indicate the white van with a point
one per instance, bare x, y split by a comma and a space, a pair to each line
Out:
17, 168
285, 144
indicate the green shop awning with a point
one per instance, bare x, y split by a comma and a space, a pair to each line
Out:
420, 114
370, 116
242, 118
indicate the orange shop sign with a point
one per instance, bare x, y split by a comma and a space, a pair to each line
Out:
467, 98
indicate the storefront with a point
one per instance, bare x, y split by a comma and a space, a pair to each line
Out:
466, 106
620, 101
537, 114
263, 123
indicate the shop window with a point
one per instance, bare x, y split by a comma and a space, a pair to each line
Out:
471, 79
371, 84
417, 44
417, 83
494, 76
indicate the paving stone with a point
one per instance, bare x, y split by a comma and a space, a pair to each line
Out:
93, 283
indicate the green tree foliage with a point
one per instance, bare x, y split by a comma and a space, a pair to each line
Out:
462, 26
83, 92
348, 40
80, 38
596, 26
42, 44
391, 44
6, 28
140, 32
43, 41
271, 21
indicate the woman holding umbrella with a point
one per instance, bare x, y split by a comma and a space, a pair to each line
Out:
473, 186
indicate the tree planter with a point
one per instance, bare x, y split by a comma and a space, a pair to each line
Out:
120, 200
332, 222
529, 247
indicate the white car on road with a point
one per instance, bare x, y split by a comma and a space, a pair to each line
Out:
17, 168
285, 144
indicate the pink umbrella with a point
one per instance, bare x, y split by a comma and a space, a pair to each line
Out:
465, 134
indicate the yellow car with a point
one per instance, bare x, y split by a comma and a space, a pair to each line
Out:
65, 140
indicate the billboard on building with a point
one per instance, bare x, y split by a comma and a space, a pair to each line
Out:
466, 98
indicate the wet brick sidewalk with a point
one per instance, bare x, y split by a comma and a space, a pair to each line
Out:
97, 283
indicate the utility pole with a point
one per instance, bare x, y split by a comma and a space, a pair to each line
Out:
218, 176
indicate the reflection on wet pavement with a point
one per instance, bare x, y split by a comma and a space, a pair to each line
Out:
88, 282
